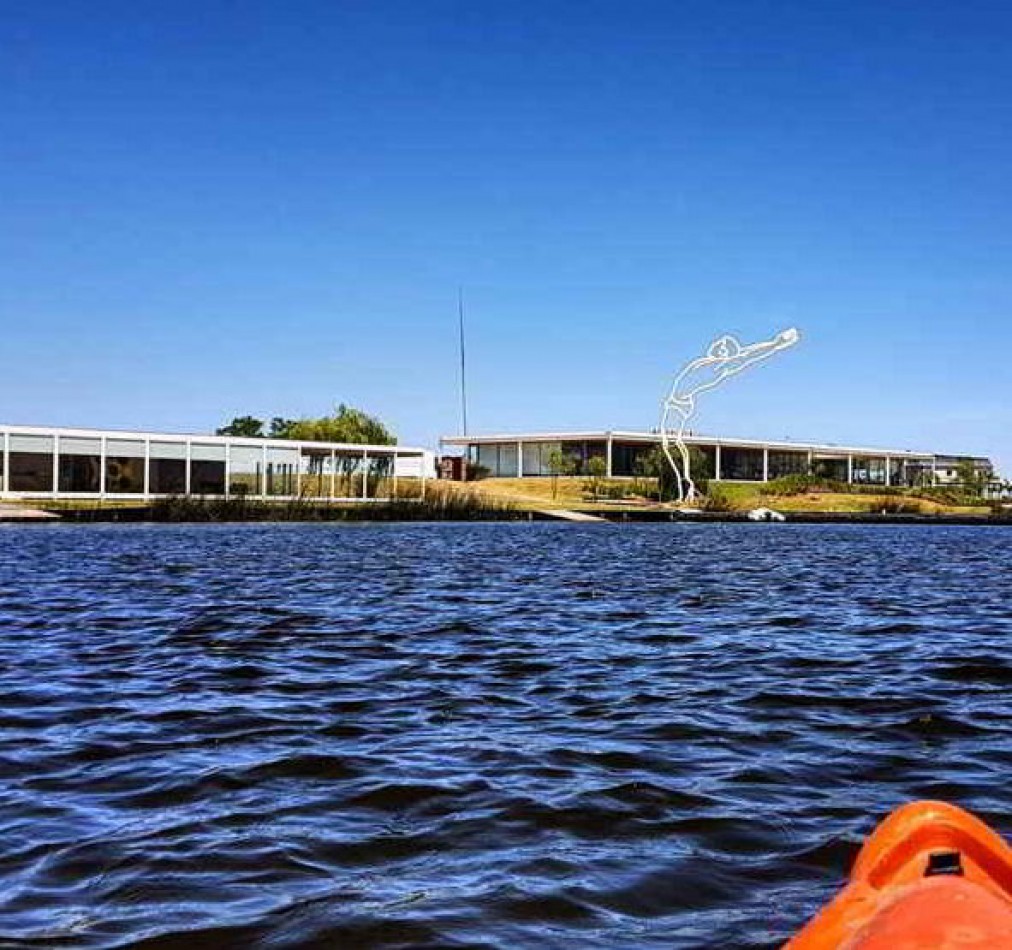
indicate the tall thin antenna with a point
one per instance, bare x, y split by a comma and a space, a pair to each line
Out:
463, 360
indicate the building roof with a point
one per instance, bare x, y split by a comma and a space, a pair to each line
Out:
205, 439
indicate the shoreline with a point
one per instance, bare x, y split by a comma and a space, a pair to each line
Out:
380, 513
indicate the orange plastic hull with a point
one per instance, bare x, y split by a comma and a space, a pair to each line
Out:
930, 876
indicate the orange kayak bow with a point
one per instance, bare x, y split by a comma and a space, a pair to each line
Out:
930, 876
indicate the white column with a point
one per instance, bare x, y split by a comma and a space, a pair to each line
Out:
889, 471
189, 461
850, 469
228, 469
147, 469
394, 481
520, 459
934, 471
766, 463
56, 464
608, 453
102, 466
716, 462
263, 473
333, 473
298, 475
365, 476
811, 462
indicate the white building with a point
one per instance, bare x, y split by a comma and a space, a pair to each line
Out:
37, 461
723, 459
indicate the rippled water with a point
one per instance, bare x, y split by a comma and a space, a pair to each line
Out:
494, 735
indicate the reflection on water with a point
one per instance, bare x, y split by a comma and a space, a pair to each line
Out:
492, 735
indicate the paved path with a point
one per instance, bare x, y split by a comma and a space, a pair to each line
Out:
564, 514
19, 513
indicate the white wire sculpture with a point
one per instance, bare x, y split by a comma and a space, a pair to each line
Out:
725, 358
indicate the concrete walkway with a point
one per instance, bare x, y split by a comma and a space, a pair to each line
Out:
563, 514
19, 513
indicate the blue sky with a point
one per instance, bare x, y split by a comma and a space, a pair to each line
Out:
214, 208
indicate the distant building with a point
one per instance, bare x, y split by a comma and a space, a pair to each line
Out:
723, 459
104, 463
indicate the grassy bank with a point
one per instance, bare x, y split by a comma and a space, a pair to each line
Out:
441, 503
577, 493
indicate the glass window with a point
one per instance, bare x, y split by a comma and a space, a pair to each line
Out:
207, 469
74, 446
80, 465
282, 466
124, 466
869, 471
743, 465
632, 459
834, 469
31, 463
168, 450
704, 461
788, 463
168, 476
488, 457
207, 477
531, 460
508, 460
316, 469
245, 469
347, 482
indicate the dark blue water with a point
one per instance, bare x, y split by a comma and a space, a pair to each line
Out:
494, 735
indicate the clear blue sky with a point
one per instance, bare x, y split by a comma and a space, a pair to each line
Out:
213, 208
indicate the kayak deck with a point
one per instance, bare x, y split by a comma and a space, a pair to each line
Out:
931, 875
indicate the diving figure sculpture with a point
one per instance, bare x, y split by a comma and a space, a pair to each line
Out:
725, 358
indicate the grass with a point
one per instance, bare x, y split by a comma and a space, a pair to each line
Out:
733, 496
443, 501
504, 498
571, 492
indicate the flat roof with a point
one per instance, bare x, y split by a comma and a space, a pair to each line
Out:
827, 448
70, 432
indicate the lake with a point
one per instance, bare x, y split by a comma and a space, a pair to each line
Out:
492, 735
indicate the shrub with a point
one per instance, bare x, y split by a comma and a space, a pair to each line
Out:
895, 506
476, 473
718, 499
597, 468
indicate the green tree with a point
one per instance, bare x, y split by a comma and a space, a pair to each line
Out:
597, 469
559, 463
702, 468
347, 424
654, 464
970, 479
280, 427
248, 426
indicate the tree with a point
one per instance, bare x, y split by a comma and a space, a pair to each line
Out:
597, 469
654, 464
559, 463
347, 424
248, 426
971, 480
702, 468
281, 427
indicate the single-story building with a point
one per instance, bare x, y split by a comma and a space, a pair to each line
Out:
626, 454
40, 461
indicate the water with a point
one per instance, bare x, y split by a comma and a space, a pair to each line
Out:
493, 735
